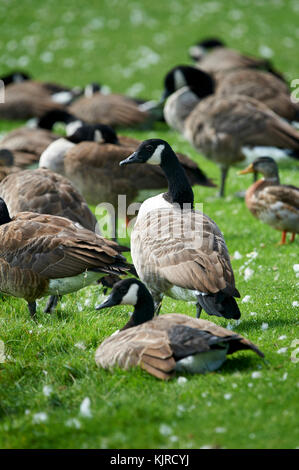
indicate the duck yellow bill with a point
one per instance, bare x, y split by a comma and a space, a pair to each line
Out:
249, 169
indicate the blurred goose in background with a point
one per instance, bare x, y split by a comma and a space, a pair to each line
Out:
271, 202
178, 251
225, 129
26, 98
27, 144
212, 56
112, 109
165, 344
43, 255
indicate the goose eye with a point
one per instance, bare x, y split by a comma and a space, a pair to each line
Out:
149, 147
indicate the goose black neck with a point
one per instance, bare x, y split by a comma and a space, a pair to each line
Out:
4, 214
179, 188
144, 310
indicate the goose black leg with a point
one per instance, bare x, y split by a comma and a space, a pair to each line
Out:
198, 310
32, 309
224, 172
52, 303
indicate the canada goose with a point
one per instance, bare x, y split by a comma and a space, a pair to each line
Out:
271, 202
213, 56
27, 144
27, 99
43, 255
177, 250
93, 167
226, 129
45, 192
165, 344
112, 109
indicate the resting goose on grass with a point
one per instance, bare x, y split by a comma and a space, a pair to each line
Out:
213, 56
42, 255
225, 129
176, 250
271, 202
165, 344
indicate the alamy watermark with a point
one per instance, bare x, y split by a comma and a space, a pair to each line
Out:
169, 222
295, 352
295, 93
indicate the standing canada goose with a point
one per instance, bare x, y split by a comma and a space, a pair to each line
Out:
271, 202
27, 144
213, 56
43, 255
176, 250
226, 129
166, 344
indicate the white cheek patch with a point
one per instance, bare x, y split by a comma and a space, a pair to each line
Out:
156, 157
179, 79
72, 127
98, 136
131, 296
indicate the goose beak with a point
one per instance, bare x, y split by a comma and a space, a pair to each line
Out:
134, 158
109, 302
249, 169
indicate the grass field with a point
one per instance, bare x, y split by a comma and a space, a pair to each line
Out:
50, 369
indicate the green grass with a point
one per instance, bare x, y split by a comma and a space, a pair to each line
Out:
132, 409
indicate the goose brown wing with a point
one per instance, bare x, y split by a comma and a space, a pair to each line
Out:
185, 248
239, 120
54, 247
46, 192
144, 346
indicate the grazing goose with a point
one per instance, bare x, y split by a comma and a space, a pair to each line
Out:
43, 255
45, 192
166, 344
271, 202
213, 56
226, 129
27, 144
177, 250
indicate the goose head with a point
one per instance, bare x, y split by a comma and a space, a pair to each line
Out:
15, 77
131, 291
4, 214
264, 165
97, 133
152, 151
200, 82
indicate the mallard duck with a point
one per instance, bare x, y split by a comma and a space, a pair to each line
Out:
271, 202
213, 56
42, 255
176, 250
226, 129
165, 344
